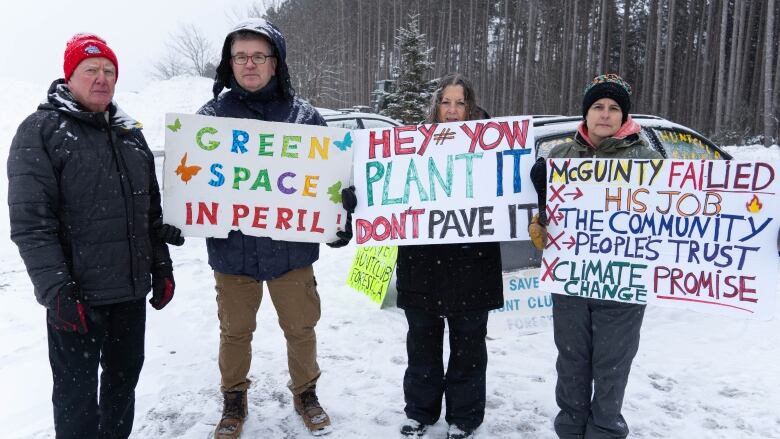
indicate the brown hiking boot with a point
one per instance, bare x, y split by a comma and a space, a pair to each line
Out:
315, 418
233, 414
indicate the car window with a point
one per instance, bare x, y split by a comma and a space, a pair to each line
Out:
545, 145
376, 123
683, 145
351, 124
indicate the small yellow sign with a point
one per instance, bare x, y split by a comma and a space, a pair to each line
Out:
371, 271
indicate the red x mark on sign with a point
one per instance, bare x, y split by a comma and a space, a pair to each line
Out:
553, 240
553, 215
548, 268
557, 193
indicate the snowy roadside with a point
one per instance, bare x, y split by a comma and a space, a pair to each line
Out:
694, 376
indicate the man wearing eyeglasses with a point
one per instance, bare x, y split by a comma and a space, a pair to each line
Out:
254, 71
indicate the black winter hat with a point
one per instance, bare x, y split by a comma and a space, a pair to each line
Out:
608, 86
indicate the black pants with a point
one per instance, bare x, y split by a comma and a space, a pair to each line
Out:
115, 341
464, 383
597, 341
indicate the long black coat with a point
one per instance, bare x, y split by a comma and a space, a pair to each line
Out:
450, 279
82, 194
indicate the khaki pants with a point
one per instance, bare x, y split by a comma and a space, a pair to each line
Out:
297, 304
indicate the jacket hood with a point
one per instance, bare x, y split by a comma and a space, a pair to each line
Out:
61, 99
269, 30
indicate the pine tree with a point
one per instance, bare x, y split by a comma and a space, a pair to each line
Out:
411, 98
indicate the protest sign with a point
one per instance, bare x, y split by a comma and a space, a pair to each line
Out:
371, 271
526, 310
269, 179
695, 234
444, 183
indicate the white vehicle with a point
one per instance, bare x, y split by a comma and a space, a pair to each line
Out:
356, 120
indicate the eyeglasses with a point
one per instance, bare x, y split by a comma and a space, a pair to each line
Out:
257, 58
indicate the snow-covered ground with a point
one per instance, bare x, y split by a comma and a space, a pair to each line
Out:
696, 376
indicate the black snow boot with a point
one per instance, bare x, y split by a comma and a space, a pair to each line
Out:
413, 429
455, 432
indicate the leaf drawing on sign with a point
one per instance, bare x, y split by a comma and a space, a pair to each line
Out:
186, 172
175, 126
334, 192
345, 144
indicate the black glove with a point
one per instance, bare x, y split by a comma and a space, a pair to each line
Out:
344, 236
66, 313
349, 199
167, 233
539, 180
162, 291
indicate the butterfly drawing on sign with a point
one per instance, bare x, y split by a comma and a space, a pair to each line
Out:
334, 192
175, 125
345, 144
186, 172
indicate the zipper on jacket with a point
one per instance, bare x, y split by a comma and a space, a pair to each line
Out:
121, 168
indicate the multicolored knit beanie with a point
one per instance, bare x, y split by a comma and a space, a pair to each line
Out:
608, 86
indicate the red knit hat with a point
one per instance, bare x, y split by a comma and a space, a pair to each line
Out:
83, 46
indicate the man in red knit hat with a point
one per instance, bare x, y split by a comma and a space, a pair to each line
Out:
90, 89
85, 212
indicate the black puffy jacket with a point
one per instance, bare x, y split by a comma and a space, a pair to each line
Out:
82, 194
450, 279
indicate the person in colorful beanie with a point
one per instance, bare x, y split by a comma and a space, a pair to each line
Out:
84, 207
596, 339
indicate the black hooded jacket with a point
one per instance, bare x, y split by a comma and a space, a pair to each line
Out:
82, 194
261, 258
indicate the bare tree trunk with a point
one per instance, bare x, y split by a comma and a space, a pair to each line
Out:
603, 23
529, 55
668, 68
706, 110
756, 93
504, 62
733, 97
563, 61
720, 84
647, 77
515, 74
747, 59
573, 55
657, 65
483, 55
624, 38
689, 20
590, 44
769, 116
